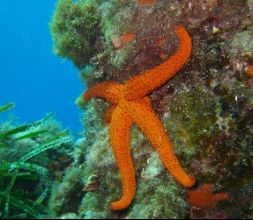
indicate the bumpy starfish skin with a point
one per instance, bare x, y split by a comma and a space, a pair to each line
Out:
132, 105
119, 137
144, 83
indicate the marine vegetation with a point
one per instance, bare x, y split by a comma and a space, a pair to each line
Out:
74, 30
26, 171
206, 109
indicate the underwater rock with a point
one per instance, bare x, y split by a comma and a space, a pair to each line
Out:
207, 108
68, 194
74, 30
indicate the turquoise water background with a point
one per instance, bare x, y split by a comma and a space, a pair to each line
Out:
31, 76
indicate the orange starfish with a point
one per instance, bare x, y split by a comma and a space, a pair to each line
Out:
204, 197
130, 104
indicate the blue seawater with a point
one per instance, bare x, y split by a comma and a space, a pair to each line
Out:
31, 76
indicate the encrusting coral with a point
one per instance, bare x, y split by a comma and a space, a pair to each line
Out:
131, 105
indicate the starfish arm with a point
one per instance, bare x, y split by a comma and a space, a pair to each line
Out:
108, 90
143, 115
220, 196
119, 137
144, 83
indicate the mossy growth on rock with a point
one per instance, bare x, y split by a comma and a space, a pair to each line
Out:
195, 117
165, 200
67, 195
74, 29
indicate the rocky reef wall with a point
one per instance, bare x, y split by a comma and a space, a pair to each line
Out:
206, 109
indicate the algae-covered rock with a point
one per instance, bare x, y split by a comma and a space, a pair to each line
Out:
242, 44
74, 29
206, 108
167, 200
67, 195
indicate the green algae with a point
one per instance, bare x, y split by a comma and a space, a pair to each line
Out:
74, 30
25, 174
194, 113
241, 44
67, 195
167, 200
